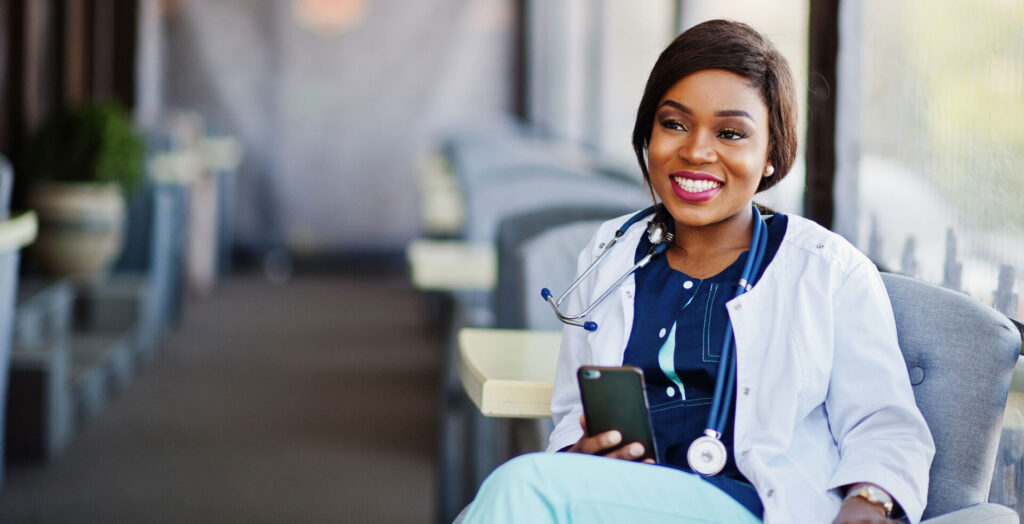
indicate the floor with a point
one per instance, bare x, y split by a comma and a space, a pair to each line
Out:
311, 401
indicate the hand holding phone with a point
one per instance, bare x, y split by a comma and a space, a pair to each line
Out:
613, 399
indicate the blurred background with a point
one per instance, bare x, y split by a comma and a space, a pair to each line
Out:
243, 233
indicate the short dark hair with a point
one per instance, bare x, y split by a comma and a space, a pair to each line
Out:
738, 48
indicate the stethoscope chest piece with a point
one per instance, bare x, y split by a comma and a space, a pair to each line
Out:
706, 455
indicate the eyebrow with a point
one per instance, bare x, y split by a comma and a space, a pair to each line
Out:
724, 112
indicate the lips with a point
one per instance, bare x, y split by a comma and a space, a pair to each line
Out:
695, 187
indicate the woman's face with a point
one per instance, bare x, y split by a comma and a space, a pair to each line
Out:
709, 148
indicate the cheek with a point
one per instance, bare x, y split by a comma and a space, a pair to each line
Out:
749, 163
658, 152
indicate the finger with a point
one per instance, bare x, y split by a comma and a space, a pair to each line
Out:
648, 461
631, 451
598, 443
603, 441
583, 423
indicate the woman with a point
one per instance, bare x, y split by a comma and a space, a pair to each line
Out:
822, 426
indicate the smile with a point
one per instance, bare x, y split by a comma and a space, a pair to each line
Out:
695, 186
696, 189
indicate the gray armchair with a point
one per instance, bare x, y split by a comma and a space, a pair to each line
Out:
960, 355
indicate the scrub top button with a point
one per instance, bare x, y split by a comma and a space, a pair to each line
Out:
688, 284
670, 391
661, 334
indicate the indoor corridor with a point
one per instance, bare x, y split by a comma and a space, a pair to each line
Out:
312, 401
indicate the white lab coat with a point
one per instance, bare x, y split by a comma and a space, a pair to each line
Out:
823, 398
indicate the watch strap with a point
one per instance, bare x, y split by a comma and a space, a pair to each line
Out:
874, 495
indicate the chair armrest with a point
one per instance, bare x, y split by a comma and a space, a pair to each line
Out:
984, 513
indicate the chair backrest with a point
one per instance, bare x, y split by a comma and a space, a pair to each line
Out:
519, 189
549, 260
960, 355
512, 233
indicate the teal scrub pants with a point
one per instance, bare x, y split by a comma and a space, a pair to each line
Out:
571, 487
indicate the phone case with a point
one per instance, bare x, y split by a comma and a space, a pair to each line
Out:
614, 398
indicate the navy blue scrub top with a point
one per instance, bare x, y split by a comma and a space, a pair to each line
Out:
678, 325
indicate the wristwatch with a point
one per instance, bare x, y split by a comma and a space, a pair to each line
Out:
873, 495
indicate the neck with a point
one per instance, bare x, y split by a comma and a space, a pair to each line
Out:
729, 235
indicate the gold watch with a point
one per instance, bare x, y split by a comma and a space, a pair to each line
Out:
873, 495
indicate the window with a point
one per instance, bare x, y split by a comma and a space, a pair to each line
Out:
941, 142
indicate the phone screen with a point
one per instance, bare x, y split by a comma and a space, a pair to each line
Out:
614, 398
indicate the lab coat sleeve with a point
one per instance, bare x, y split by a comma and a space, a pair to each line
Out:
882, 436
566, 406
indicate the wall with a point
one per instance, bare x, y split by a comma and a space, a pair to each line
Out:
333, 121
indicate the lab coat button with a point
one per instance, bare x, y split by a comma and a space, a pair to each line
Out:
820, 246
746, 391
771, 493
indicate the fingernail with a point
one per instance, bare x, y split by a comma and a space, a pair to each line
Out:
614, 437
636, 449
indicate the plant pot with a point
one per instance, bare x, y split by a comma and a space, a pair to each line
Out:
81, 228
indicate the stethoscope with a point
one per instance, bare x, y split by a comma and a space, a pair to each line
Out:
707, 454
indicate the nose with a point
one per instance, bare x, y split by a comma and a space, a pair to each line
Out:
697, 148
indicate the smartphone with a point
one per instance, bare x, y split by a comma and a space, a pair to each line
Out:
614, 398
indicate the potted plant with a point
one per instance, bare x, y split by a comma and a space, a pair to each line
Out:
82, 161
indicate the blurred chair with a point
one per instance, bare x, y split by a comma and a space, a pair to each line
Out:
516, 189
14, 234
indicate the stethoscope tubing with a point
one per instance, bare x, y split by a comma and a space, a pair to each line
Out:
575, 320
726, 378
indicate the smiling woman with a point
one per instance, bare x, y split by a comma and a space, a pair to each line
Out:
774, 381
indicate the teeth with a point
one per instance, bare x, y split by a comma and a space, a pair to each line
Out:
695, 186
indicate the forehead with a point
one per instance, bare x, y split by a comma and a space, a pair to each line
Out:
712, 90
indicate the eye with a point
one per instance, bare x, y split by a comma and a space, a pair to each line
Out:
673, 124
732, 134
